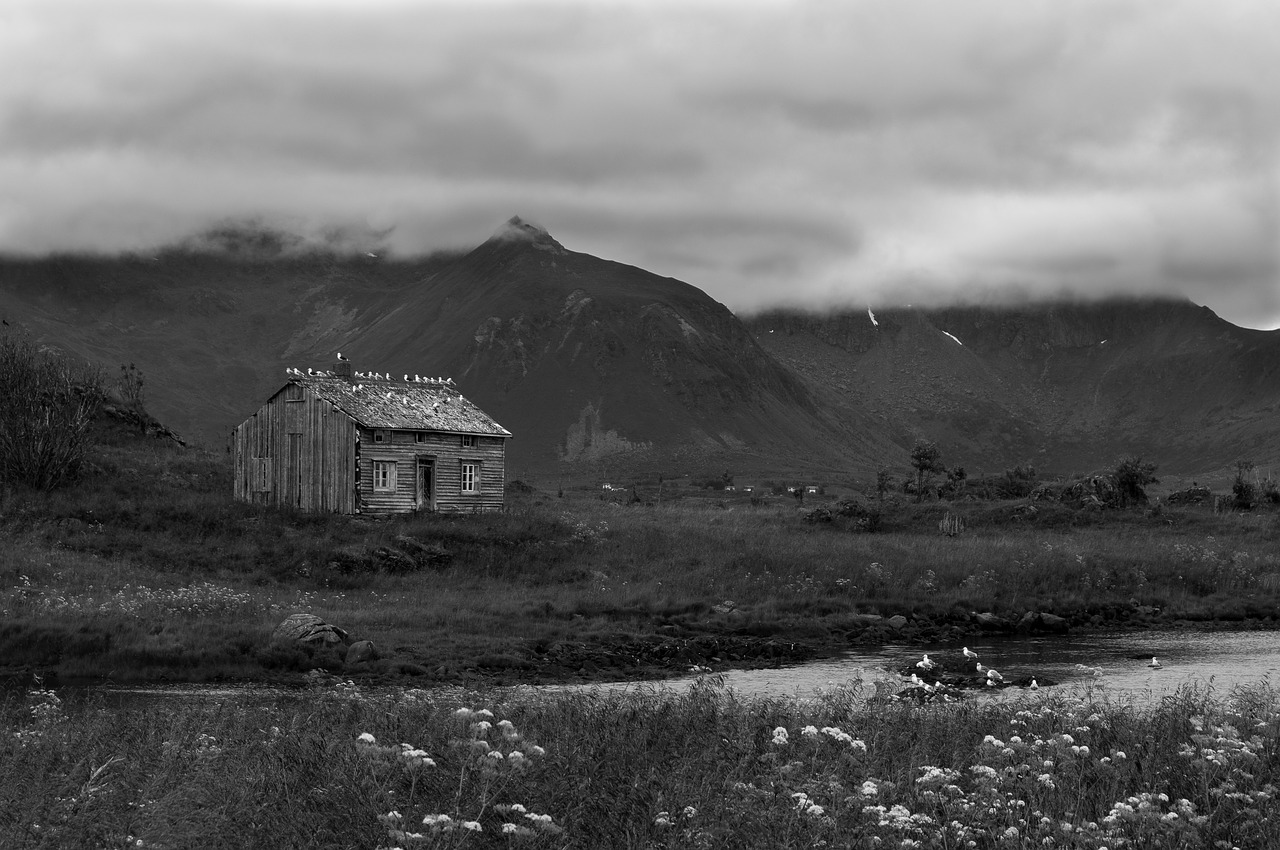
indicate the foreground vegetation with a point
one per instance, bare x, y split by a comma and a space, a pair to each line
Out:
147, 570
340, 766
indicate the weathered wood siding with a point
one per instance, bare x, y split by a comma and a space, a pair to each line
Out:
297, 451
445, 452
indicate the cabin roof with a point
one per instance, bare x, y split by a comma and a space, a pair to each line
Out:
413, 405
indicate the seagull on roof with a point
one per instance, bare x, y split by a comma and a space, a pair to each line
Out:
309, 372
340, 357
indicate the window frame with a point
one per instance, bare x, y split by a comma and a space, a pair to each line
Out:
390, 478
468, 441
475, 467
382, 435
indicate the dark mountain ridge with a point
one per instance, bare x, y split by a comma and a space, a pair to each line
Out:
602, 368
591, 363
1070, 385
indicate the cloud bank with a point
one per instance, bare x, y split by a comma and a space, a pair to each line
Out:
810, 153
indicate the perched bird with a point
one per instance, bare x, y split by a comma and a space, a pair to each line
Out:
340, 357
310, 371
994, 676
1034, 685
925, 663
969, 653
980, 668
1155, 664
916, 680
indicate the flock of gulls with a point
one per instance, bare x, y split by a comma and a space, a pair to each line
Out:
947, 685
372, 376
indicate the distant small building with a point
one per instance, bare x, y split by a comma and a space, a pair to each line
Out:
811, 489
348, 442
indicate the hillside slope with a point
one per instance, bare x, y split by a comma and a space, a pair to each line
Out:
1068, 386
593, 365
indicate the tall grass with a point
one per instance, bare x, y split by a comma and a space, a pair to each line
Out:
341, 766
149, 569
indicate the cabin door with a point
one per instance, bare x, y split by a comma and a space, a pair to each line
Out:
426, 484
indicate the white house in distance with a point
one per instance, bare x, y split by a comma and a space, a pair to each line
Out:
351, 442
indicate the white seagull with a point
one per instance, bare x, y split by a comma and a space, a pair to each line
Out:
969, 653
1155, 663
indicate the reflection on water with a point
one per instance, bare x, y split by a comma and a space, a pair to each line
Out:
1116, 662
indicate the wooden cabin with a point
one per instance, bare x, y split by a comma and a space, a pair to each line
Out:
355, 443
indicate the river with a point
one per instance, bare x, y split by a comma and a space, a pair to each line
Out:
1116, 663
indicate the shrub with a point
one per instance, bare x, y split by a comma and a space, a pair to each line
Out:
46, 410
1243, 490
1132, 475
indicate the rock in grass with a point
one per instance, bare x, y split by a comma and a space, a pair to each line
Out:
308, 629
897, 621
362, 650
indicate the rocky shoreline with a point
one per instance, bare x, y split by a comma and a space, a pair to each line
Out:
671, 652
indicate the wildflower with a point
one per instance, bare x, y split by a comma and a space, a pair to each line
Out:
508, 828
780, 736
869, 789
472, 825
366, 738
815, 811
663, 819
809, 731
537, 751
689, 811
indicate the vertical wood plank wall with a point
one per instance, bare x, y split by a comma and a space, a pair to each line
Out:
297, 451
449, 454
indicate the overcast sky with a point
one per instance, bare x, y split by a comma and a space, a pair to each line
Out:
850, 153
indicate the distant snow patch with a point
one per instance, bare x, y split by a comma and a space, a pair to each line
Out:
958, 342
872, 317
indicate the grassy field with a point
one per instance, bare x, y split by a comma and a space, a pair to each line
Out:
147, 570
342, 766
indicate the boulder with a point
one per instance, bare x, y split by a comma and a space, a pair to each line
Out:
362, 650
308, 629
987, 620
1029, 622
897, 621
1054, 623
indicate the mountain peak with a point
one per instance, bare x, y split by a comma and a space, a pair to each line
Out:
517, 229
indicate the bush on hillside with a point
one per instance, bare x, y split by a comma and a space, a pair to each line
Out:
1132, 475
46, 410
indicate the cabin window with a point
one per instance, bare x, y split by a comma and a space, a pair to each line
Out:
382, 436
419, 436
384, 475
468, 440
470, 477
